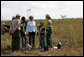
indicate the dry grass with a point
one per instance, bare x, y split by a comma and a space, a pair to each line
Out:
66, 30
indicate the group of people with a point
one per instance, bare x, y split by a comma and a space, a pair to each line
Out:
22, 28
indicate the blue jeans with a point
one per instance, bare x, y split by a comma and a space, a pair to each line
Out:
24, 41
42, 41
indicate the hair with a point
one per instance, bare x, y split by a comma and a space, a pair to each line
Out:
13, 17
47, 15
31, 17
18, 16
23, 18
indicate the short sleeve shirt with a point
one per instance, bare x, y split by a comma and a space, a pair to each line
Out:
15, 23
49, 23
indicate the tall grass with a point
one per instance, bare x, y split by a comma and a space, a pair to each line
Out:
64, 30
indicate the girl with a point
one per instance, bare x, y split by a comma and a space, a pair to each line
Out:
31, 30
41, 32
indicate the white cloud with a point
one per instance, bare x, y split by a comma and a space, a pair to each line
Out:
40, 8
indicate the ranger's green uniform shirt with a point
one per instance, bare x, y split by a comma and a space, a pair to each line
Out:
49, 32
15, 22
15, 35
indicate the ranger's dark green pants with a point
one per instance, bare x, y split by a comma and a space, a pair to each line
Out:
15, 41
48, 37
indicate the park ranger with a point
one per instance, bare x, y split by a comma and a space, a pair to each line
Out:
49, 31
15, 33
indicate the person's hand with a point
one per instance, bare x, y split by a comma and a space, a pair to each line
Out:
36, 33
12, 32
27, 34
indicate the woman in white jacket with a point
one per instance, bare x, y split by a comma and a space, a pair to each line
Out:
31, 30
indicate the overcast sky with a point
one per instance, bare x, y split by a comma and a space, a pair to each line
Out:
73, 9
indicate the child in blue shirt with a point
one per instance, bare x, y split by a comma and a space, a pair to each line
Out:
41, 32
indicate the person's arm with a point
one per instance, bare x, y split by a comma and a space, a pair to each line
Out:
27, 28
35, 28
18, 25
14, 30
5, 27
10, 28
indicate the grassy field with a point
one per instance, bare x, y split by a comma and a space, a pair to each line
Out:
64, 30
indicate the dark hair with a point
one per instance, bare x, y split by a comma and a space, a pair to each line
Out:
13, 17
48, 16
30, 17
17, 15
23, 18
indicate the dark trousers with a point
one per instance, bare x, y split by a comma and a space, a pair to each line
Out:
32, 38
15, 41
42, 41
48, 37
24, 41
24, 38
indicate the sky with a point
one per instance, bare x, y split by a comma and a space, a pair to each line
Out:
38, 9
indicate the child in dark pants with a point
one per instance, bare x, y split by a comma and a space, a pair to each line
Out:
22, 31
41, 33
